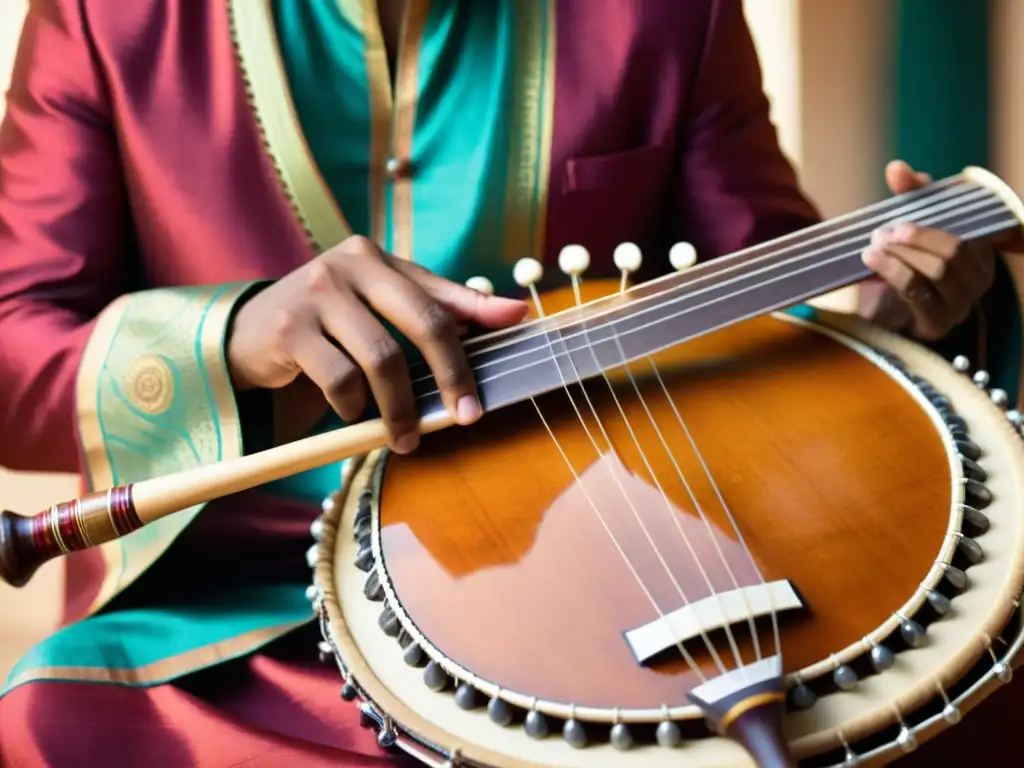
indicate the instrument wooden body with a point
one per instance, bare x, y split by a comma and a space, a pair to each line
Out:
488, 563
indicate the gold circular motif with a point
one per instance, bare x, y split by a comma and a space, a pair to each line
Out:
150, 384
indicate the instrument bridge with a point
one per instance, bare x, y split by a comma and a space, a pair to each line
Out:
714, 612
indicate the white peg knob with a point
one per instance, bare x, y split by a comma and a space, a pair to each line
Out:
481, 284
627, 257
574, 260
527, 272
682, 256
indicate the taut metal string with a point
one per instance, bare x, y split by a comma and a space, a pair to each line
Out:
574, 261
528, 272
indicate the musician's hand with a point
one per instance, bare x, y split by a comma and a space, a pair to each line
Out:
318, 321
934, 274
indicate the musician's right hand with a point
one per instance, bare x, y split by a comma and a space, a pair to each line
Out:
319, 322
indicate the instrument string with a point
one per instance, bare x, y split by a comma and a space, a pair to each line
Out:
575, 262
1000, 219
529, 274
768, 263
690, 661
952, 191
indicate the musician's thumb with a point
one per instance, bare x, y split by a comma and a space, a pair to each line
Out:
902, 178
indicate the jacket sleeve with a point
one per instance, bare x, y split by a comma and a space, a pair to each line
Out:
95, 375
736, 186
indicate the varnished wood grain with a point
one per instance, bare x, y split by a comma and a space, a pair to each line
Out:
835, 476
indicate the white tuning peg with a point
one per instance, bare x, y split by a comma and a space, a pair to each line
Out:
574, 260
627, 258
527, 272
481, 284
682, 256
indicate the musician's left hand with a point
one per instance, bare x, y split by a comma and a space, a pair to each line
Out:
934, 275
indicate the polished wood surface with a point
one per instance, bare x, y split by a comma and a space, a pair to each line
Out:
837, 479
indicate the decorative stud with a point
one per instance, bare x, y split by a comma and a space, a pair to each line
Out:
970, 549
981, 495
969, 449
802, 696
981, 379
364, 559
1003, 671
850, 758
999, 397
620, 737
668, 734
906, 740
882, 658
939, 602
574, 260
973, 470
951, 713
348, 692
373, 590
574, 733
682, 256
435, 677
325, 650
978, 520
845, 678
536, 725
499, 711
527, 273
316, 529
465, 696
961, 364
388, 622
912, 633
481, 285
956, 577
1014, 417
386, 738
327, 505
312, 556
413, 655
312, 593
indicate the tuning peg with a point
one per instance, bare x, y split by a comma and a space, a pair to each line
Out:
527, 272
574, 260
627, 258
961, 364
682, 256
481, 284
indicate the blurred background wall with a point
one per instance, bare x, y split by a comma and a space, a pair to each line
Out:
852, 83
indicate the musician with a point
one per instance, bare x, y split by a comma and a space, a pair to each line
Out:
208, 210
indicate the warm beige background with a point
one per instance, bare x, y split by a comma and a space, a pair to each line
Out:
827, 80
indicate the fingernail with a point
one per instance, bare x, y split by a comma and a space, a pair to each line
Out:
407, 443
880, 235
872, 258
467, 409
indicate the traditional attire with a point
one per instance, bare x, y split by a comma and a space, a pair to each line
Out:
160, 157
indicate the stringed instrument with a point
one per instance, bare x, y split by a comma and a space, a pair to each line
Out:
688, 531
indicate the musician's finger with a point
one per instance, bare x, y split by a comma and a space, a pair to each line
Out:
432, 327
902, 178
379, 354
465, 303
893, 270
333, 372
